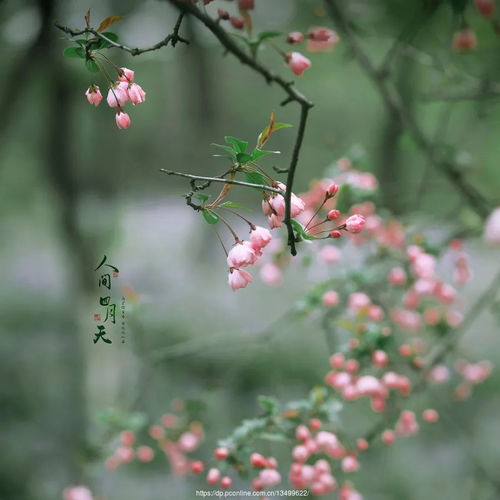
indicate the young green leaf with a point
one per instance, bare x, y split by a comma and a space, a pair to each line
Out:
104, 44
255, 178
78, 52
244, 158
92, 66
239, 145
230, 204
210, 217
203, 197
229, 149
266, 35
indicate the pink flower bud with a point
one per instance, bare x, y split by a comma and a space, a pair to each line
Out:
126, 75
258, 460
246, 4
298, 63
260, 237
350, 464
355, 223
300, 453
397, 276
221, 453
315, 424
188, 441
485, 7
94, 95
332, 190
335, 234
239, 278
77, 493
145, 454
302, 433
241, 255
388, 437
380, 358
127, 438
157, 432
337, 360
213, 476
118, 95
464, 40
197, 467
330, 298
294, 37
430, 415
362, 444
237, 22
122, 120
226, 482
269, 477
136, 94
321, 39
275, 221
223, 14
333, 214
492, 228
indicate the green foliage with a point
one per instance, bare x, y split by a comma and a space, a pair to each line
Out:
210, 217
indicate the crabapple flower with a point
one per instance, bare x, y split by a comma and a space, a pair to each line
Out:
430, 415
239, 278
330, 298
197, 467
464, 40
350, 464
355, 223
126, 75
213, 476
485, 7
269, 477
77, 493
278, 205
321, 39
388, 437
275, 221
297, 62
294, 37
118, 95
94, 95
241, 255
145, 454
260, 237
397, 276
136, 94
226, 482
188, 441
122, 120
237, 22
221, 453
492, 228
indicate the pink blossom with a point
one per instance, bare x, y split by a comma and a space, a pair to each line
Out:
302, 433
380, 358
321, 39
337, 360
407, 424
298, 63
350, 464
241, 255
358, 301
94, 95
145, 454
269, 477
213, 476
297, 205
355, 223
440, 373
492, 228
271, 274
278, 204
197, 467
157, 432
226, 482
388, 437
77, 493
275, 221
294, 37
330, 298
188, 441
124, 454
122, 120
406, 319
136, 94
126, 75
260, 237
330, 254
300, 453
221, 453
239, 278
430, 415
464, 40
118, 95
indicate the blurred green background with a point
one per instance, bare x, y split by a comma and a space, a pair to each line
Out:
73, 187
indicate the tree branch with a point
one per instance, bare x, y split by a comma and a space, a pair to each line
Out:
171, 38
395, 103
293, 95
261, 187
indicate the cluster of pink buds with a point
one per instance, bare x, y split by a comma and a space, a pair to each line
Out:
318, 39
473, 374
174, 438
351, 386
120, 93
237, 21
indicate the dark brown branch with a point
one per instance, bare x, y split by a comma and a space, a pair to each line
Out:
395, 103
171, 38
293, 95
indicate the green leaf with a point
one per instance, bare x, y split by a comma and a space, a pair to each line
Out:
78, 52
203, 197
244, 158
230, 204
210, 217
81, 41
270, 404
92, 66
266, 35
279, 125
255, 178
229, 149
103, 44
239, 145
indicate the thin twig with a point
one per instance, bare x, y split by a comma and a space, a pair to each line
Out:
262, 187
171, 38
293, 95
